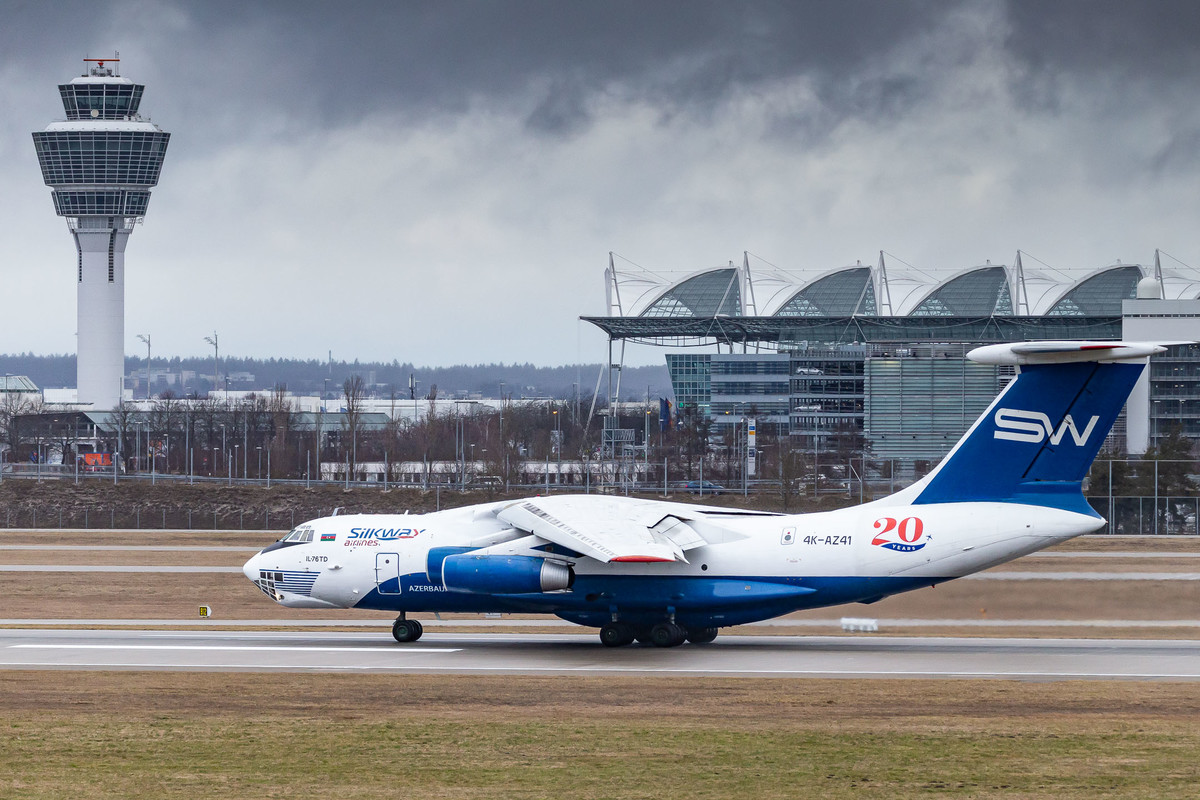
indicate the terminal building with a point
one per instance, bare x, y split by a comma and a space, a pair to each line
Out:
878, 352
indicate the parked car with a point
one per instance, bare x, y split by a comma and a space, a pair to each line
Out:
704, 487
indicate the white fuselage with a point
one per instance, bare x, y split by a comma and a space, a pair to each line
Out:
859, 553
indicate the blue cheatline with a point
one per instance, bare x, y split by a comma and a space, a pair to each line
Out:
1037, 441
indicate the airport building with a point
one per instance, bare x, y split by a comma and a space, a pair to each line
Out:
101, 163
879, 351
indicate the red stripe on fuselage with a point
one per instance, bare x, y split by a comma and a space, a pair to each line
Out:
642, 559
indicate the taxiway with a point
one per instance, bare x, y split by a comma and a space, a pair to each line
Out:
877, 657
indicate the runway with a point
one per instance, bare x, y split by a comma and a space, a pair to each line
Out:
873, 657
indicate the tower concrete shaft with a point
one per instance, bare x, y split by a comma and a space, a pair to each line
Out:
101, 163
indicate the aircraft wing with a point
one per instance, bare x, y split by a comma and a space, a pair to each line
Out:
609, 528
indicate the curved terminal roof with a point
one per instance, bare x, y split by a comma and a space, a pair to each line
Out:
1098, 295
977, 292
708, 294
842, 293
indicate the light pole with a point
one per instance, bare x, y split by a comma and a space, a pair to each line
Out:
146, 338
320, 425
646, 446
137, 433
187, 440
223, 448
213, 340
557, 445
1155, 413
259, 449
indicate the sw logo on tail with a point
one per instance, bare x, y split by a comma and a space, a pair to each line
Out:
1018, 425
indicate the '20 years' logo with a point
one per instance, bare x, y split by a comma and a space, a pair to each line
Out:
905, 535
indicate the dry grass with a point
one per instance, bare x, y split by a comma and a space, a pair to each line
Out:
254, 735
1143, 544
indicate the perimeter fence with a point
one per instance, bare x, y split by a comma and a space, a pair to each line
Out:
125, 518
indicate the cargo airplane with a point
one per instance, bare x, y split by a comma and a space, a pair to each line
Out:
665, 572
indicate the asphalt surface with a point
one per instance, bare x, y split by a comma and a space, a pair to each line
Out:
876, 657
979, 576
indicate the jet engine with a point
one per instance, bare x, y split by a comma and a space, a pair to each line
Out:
493, 574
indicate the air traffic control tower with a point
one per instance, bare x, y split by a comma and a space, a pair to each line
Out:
101, 163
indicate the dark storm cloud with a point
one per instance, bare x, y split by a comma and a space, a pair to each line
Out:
412, 142
1150, 40
438, 53
1125, 59
330, 61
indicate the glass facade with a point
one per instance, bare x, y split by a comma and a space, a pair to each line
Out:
826, 393
922, 399
707, 295
101, 157
108, 100
117, 203
1175, 393
690, 379
751, 385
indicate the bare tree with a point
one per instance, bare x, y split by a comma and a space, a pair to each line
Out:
279, 407
355, 391
12, 406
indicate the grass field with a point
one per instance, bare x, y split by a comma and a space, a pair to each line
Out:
107, 735
259, 735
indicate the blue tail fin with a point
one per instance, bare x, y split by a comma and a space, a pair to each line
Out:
1036, 442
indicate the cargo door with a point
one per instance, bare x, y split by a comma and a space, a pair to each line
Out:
387, 573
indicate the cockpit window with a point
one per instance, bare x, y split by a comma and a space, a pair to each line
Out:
299, 535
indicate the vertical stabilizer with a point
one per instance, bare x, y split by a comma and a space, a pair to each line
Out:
1037, 440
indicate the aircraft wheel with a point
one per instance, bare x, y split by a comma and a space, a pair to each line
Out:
667, 634
701, 635
616, 634
407, 630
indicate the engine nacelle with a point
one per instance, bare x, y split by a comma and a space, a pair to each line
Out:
488, 574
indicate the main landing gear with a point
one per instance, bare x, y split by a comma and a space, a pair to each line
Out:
406, 630
664, 634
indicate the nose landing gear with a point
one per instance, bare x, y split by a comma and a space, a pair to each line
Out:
406, 630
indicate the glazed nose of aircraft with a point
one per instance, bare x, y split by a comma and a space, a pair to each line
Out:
250, 568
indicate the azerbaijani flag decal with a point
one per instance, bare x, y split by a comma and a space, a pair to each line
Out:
328, 537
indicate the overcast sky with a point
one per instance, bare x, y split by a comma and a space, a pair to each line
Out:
441, 182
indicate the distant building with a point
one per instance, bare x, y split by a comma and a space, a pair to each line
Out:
880, 352
19, 386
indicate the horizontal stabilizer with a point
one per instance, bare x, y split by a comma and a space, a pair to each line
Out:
1064, 352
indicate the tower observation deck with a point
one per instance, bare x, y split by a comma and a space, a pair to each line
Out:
101, 162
